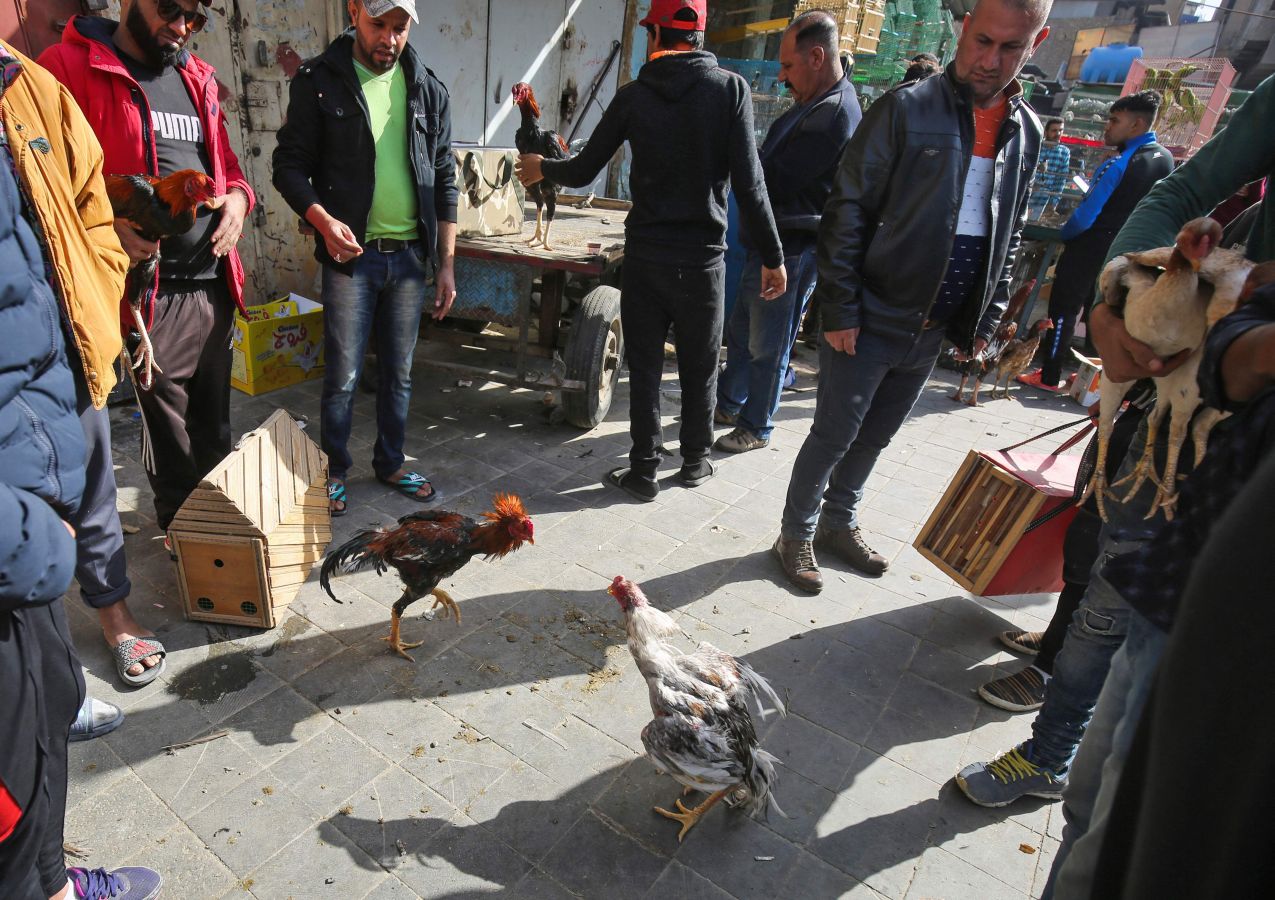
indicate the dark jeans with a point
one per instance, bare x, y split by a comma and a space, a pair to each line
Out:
386, 292
1075, 280
100, 567
41, 690
759, 339
186, 414
654, 297
862, 401
1080, 549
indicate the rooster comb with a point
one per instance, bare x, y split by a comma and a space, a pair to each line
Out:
506, 506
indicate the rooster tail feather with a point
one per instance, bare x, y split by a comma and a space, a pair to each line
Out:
761, 780
761, 690
353, 555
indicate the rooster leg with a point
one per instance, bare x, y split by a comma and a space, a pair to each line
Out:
1166, 497
396, 614
535, 238
545, 242
144, 363
551, 202
1204, 423
960, 390
688, 817
1111, 398
978, 386
1145, 469
444, 599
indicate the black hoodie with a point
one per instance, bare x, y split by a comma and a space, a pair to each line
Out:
690, 126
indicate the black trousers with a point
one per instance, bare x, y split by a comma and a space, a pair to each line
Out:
41, 690
186, 415
1075, 281
691, 300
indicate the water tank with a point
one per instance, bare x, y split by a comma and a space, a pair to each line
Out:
1109, 65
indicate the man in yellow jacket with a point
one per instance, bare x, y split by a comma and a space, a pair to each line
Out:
58, 163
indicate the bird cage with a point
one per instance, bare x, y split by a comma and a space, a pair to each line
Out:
1193, 95
980, 532
248, 535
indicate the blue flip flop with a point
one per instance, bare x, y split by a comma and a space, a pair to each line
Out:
409, 484
336, 494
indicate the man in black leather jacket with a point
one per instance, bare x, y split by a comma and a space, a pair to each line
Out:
365, 158
917, 241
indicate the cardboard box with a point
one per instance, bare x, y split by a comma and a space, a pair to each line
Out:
278, 344
1084, 388
491, 197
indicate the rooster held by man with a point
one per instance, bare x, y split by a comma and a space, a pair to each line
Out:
427, 547
531, 138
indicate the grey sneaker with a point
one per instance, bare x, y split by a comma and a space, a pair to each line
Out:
849, 545
1025, 642
1021, 692
798, 561
1009, 777
740, 440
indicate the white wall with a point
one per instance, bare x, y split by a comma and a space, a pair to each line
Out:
1195, 40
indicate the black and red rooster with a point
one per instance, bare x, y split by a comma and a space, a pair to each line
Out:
531, 138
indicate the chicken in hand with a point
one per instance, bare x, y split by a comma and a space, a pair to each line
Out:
531, 138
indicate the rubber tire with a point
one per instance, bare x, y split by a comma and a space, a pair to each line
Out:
593, 355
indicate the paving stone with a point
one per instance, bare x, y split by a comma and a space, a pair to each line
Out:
319, 862
188, 868
391, 817
811, 877
527, 810
685, 884
630, 872
879, 850
247, 825
940, 874
461, 859
810, 750
276, 725
803, 802
92, 767
98, 824
737, 853
335, 763
996, 849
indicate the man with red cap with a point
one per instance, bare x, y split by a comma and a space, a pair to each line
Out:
689, 125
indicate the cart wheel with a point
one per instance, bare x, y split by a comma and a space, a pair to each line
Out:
593, 356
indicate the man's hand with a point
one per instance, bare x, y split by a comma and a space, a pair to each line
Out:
528, 169
1124, 357
980, 347
337, 236
234, 208
136, 246
444, 291
774, 282
842, 341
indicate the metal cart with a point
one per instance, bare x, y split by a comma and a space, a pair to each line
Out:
548, 320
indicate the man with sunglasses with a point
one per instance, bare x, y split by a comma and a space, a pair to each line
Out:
154, 107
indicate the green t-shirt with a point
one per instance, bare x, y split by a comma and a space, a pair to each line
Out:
394, 194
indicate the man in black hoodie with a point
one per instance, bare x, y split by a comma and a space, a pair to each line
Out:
689, 125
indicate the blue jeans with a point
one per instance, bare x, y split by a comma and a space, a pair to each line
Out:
759, 340
862, 401
386, 291
1091, 789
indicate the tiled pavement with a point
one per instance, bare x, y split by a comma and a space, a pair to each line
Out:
506, 761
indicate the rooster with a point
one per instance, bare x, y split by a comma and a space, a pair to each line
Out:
157, 208
1015, 359
531, 138
703, 733
1170, 298
979, 365
427, 547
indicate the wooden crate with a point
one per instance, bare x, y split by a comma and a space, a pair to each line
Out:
977, 533
248, 536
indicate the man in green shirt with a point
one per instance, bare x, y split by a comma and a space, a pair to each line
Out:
365, 158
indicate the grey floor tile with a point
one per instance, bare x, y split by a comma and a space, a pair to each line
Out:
630, 872
189, 869
111, 824
940, 874
319, 862
251, 823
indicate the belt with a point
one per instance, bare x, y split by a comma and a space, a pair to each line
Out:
388, 245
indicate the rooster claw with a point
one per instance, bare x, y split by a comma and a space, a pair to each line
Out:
401, 647
444, 599
688, 817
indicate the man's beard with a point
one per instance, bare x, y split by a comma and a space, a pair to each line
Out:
156, 55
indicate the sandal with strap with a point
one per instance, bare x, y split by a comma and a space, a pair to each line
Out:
336, 494
409, 486
131, 652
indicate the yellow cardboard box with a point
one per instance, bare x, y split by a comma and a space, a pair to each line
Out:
277, 344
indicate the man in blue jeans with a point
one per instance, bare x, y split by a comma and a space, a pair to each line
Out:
915, 180
365, 158
799, 160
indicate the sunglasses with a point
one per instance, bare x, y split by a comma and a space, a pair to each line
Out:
170, 11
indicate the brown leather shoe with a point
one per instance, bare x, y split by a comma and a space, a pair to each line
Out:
848, 544
798, 561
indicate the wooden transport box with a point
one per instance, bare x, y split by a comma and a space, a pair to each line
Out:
977, 533
248, 536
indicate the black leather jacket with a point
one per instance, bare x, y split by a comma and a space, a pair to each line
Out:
326, 153
888, 228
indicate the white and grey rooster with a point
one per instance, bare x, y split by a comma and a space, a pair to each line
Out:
1170, 298
703, 733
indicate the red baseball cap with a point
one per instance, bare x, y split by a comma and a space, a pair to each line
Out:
662, 11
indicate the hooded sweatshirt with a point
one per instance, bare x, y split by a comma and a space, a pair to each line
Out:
689, 124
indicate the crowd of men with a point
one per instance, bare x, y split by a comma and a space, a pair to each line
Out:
846, 210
